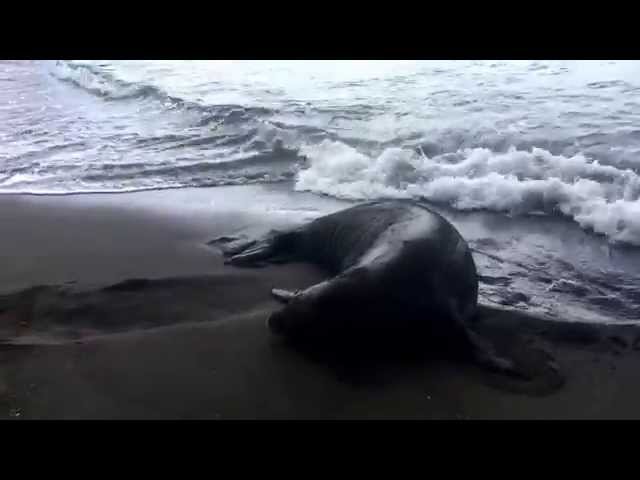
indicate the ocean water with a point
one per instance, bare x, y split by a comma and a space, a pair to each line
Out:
537, 162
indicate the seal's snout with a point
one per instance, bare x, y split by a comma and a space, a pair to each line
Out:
275, 324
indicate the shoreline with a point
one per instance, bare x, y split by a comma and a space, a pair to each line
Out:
80, 339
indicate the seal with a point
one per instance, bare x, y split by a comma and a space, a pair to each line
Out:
399, 271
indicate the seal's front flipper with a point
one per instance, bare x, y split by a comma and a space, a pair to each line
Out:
284, 296
485, 356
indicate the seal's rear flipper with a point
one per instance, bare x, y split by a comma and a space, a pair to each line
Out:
252, 255
223, 239
283, 295
275, 247
231, 245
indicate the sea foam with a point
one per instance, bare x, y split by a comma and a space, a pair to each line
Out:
599, 197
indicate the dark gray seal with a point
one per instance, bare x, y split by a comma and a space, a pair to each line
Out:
401, 271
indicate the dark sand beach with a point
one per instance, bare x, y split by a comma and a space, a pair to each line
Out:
114, 307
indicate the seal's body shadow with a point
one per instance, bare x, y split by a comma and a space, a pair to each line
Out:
372, 359
379, 359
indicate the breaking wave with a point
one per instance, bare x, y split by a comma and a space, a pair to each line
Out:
599, 197
102, 83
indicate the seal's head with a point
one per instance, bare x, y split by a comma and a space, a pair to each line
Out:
298, 316
277, 322
316, 313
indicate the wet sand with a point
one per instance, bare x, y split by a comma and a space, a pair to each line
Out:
111, 307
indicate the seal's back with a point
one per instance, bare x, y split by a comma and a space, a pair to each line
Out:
337, 241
